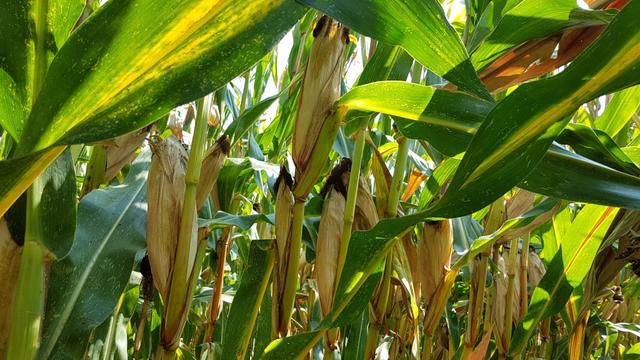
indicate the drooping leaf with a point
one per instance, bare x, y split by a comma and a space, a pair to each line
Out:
512, 228
418, 26
597, 145
85, 285
123, 80
567, 269
449, 120
243, 222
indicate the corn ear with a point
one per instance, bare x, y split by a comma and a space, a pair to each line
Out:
535, 270
316, 126
434, 251
284, 220
328, 247
165, 199
121, 151
10, 254
366, 214
501, 282
520, 203
211, 165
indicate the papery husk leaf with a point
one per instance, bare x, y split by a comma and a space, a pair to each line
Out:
501, 282
320, 87
535, 270
434, 252
316, 124
211, 166
165, 196
284, 219
520, 203
121, 151
366, 214
328, 247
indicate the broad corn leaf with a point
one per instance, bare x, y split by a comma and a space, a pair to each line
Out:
122, 80
107, 80
449, 120
86, 285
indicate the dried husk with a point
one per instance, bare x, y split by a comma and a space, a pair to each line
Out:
315, 127
434, 252
535, 270
121, 151
328, 247
211, 166
10, 254
501, 282
166, 188
366, 214
520, 203
284, 219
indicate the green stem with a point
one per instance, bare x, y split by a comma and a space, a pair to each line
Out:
24, 337
28, 304
176, 311
350, 207
291, 278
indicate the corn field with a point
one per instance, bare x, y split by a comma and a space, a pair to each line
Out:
320, 179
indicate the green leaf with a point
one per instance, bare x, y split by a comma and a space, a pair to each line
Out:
529, 19
30, 34
85, 285
418, 26
517, 133
598, 146
55, 193
619, 111
247, 300
565, 175
242, 124
567, 269
19, 173
243, 222
123, 80
12, 112
449, 120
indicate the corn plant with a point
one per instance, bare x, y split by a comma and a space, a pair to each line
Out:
319, 179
